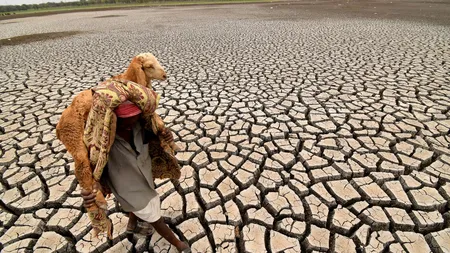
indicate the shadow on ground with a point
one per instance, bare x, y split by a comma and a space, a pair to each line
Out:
110, 16
25, 39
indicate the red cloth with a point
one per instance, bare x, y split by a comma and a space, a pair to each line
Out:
127, 109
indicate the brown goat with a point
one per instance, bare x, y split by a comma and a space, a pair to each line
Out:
142, 69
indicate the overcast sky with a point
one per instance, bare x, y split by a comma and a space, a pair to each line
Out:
19, 2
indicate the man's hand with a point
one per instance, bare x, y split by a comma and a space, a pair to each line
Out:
89, 197
167, 135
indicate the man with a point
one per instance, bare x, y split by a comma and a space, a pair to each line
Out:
130, 176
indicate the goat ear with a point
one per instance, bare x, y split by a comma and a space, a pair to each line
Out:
138, 71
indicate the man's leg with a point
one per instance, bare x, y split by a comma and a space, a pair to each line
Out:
164, 230
132, 222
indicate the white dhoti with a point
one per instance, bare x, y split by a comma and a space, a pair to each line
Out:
152, 212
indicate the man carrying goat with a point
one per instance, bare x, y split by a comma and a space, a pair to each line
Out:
115, 125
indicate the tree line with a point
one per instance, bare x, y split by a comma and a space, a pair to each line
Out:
14, 8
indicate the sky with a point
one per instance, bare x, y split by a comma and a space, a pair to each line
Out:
19, 2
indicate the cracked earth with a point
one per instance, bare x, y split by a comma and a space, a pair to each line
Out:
300, 131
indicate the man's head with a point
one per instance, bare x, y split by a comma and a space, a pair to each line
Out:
127, 115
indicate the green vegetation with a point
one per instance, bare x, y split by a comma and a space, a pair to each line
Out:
104, 4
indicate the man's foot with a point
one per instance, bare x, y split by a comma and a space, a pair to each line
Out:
183, 247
